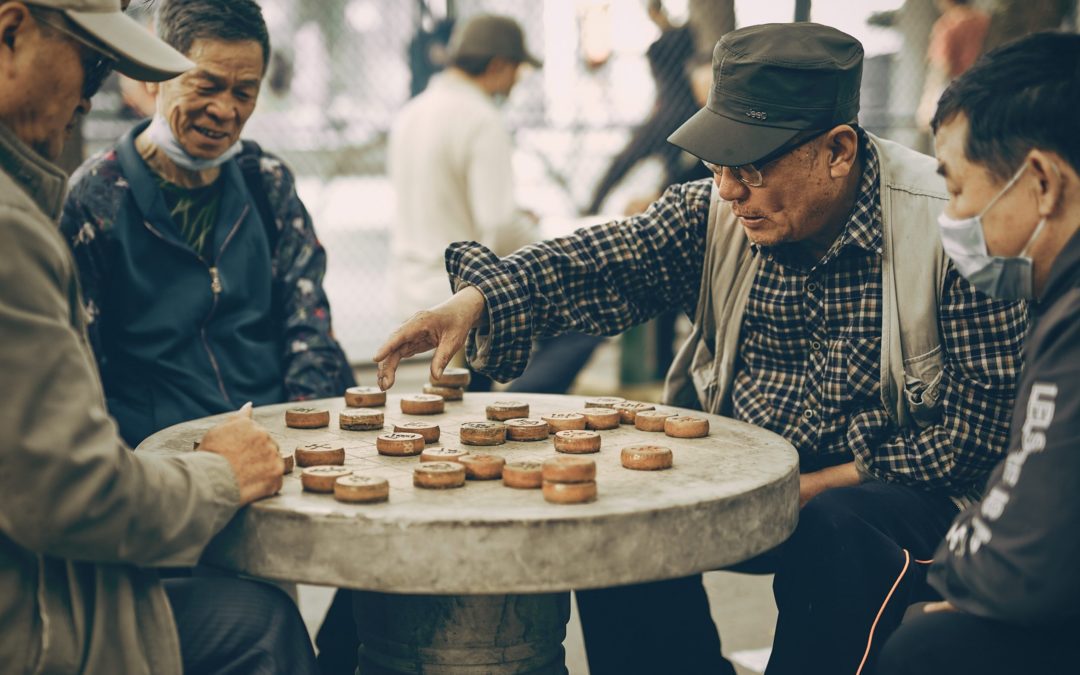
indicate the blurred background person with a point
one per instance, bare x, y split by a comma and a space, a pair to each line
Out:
956, 40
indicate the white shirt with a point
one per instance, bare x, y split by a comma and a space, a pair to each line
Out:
450, 166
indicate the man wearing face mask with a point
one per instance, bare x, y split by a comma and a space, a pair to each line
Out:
200, 268
199, 265
1007, 569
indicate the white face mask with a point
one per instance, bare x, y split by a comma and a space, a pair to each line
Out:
161, 135
1001, 277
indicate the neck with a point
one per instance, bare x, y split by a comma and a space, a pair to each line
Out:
484, 81
835, 215
160, 164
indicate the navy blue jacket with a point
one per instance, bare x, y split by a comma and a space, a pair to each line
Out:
177, 337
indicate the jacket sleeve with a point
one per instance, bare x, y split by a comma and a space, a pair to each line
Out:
600, 280
85, 236
314, 363
68, 486
1013, 556
983, 342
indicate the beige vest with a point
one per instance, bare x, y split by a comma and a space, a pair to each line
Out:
913, 273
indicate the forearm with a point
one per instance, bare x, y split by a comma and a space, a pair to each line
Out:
600, 280
814, 483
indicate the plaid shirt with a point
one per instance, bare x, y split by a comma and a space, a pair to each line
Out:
810, 362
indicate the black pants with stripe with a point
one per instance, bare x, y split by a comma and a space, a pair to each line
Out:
846, 576
231, 626
948, 643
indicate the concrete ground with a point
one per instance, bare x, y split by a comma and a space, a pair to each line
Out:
742, 605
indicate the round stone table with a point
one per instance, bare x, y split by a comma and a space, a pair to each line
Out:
477, 579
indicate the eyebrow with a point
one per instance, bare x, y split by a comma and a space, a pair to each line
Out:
220, 81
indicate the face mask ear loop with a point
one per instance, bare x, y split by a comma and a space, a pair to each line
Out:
1012, 182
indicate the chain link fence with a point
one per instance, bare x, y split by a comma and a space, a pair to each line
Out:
341, 69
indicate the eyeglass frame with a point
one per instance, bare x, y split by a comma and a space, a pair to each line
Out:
96, 71
758, 165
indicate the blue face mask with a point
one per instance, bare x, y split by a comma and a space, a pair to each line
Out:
1001, 277
162, 136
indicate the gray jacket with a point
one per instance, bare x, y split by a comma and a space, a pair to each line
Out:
81, 516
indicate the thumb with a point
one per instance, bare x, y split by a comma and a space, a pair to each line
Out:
245, 411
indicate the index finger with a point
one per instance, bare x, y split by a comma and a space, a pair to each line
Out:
245, 410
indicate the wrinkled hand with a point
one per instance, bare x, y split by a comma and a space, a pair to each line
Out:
443, 328
253, 455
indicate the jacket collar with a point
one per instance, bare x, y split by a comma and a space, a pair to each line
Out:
43, 181
1064, 273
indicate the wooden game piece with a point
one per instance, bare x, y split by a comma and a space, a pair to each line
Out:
442, 455
357, 489
448, 393
628, 410
321, 478
439, 475
646, 457
289, 463
422, 404
320, 454
452, 377
399, 444
483, 467
307, 418
500, 411
568, 469
483, 433
526, 430
429, 430
576, 442
569, 493
364, 397
360, 419
604, 401
651, 420
601, 418
524, 475
685, 426
564, 421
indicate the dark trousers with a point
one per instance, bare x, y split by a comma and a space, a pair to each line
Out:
832, 577
656, 628
337, 638
835, 573
947, 643
233, 626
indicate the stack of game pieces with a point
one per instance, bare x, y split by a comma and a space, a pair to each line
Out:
450, 385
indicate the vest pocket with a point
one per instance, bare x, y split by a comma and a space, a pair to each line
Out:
922, 385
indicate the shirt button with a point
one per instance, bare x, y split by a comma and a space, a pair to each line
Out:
815, 345
811, 287
808, 414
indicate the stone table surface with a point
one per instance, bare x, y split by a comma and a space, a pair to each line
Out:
728, 497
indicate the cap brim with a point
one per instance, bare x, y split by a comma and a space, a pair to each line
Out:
727, 142
533, 61
139, 53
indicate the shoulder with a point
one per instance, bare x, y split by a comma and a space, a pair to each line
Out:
1056, 337
277, 178
908, 170
97, 190
27, 236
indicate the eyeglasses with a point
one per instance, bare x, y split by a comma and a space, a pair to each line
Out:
96, 63
750, 174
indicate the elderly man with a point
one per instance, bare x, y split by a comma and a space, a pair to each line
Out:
82, 518
1007, 567
824, 309
199, 265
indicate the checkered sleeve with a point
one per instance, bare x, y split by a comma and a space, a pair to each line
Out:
600, 280
983, 340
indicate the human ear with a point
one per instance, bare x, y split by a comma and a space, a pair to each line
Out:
1050, 184
841, 148
13, 17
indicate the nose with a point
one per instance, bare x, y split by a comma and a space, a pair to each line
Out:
221, 110
728, 187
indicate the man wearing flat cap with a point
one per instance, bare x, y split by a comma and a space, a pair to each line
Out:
83, 520
823, 308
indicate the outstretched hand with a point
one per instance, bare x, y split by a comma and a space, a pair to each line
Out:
443, 328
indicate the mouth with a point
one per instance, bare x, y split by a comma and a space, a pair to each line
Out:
211, 134
751, 221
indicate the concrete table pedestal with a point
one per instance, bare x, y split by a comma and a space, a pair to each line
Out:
474, 580
462, 634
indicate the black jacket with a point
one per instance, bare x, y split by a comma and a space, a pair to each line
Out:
1014, 556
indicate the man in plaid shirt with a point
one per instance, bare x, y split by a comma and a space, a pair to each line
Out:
819, 201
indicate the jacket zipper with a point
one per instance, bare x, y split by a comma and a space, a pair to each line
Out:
215, 290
